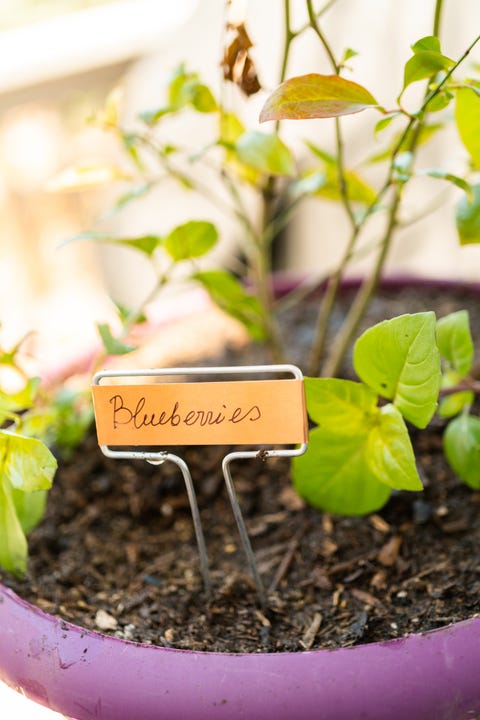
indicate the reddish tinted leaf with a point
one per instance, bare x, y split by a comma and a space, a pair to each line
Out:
316, 96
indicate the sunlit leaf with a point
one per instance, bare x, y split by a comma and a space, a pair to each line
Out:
30, 508
430, 43
20, 400
453, 179
27, 464
191, 240
357, 453
265, 152
385, 121
455, 342
230, 295
146, 244
453, 404
13, 543
467, 218
185, 88
151, 117
389, 451
399, 359
113, 345
131, 195
467, 118
424, 64
309, 183
439, 101
461, 442
426, 133
340, 403
316, 96
357, 189
230, 128
334, 475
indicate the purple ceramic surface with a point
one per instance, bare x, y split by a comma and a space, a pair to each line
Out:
84, 674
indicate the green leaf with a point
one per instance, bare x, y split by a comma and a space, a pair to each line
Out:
21, 400
310, 183
461, 442
455, 342
191, 240
399, 359
29, 507
112, 345
228, 293
27, 464
385, 121
151, 117
454, 179
348, 55
439, 101
231, 128
357, 453
453, 404
467, 218
316, 96
27, 468
358, 190
146, 244
426, 133
265, 152
429, 42
389, 451
341, 403
185, 88
125, 314
467, 118
134, 194
13, 543
334, 476
424, 64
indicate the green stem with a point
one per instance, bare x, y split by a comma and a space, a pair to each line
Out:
437, 18
316, 29
411, 134
263, 274
364, 295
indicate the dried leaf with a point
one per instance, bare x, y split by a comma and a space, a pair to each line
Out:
238, 67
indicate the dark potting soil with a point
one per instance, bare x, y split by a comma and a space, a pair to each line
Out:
116, 550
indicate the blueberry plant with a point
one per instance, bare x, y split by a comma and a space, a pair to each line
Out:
409, 367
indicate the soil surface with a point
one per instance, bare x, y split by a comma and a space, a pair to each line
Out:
116, 550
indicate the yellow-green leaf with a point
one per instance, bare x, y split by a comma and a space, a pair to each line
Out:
399, 359
467, 217
467, 118
316, 96
266, 153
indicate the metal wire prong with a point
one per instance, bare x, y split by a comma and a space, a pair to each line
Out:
241, 524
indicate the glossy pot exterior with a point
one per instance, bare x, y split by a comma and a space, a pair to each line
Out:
85, 674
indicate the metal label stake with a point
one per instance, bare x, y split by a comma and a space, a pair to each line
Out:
237, 412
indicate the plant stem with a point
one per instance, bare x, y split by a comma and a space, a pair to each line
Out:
368, 288
465, 385
364, 295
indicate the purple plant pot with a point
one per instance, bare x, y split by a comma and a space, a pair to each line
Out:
85, 675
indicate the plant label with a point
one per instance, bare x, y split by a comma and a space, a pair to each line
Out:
238, 412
